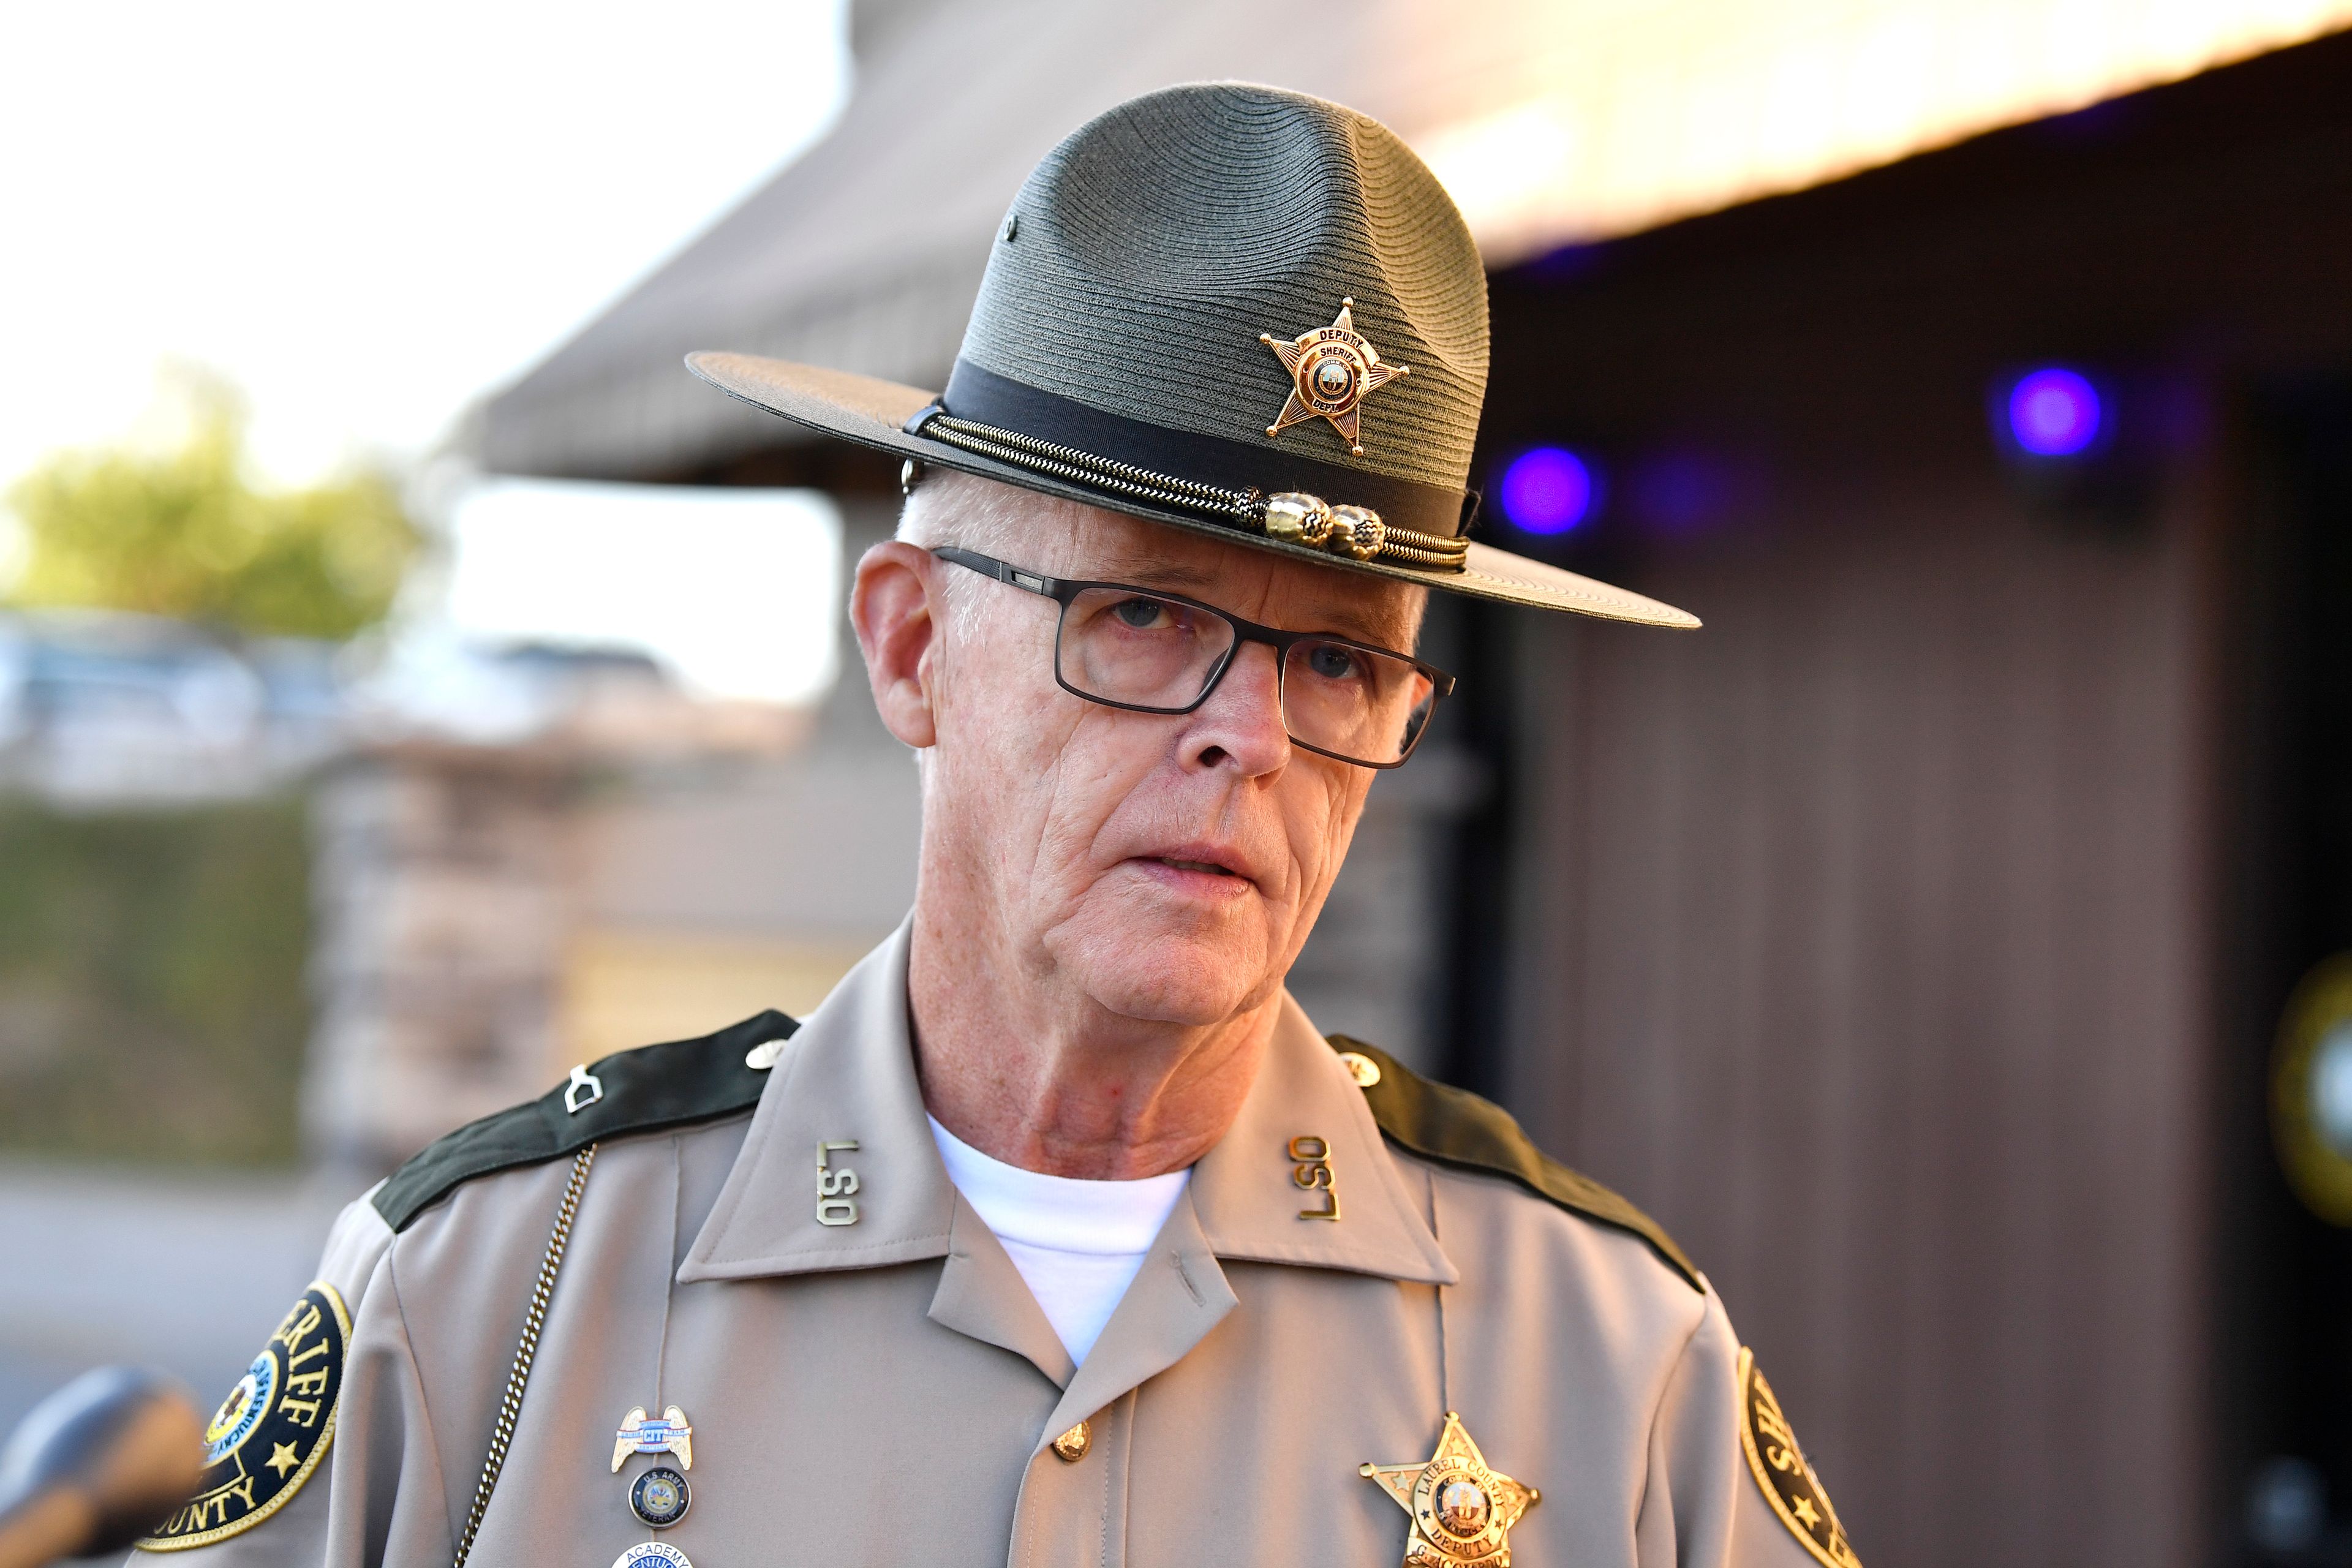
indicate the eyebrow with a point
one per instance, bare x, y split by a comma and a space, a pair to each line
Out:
1344, 620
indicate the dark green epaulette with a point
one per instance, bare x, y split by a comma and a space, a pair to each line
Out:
645, 1090
1455, 1127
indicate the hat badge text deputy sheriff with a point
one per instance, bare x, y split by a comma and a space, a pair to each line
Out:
1462, 1507
1332, 370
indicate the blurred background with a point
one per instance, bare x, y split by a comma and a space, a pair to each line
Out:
412, 682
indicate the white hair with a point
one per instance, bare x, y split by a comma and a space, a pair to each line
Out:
950, 507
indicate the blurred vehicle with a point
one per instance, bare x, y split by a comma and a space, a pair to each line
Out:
100, 706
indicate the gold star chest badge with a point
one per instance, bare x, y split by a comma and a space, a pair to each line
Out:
1462, 1507
1332, 370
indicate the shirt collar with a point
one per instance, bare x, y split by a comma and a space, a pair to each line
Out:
841, 1122
1252, 1190
843, 1091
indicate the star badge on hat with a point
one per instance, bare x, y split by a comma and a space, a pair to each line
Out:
1462, 1508
1332, 370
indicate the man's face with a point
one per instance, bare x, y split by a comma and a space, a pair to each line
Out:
1168, 866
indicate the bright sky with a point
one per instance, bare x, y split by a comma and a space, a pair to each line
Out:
366, 216
710, 579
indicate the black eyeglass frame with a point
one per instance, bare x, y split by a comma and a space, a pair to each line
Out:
1063, 591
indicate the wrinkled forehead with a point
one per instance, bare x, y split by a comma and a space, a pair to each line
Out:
1070, 540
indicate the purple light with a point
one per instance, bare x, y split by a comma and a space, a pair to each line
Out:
1548, 489
2054, 413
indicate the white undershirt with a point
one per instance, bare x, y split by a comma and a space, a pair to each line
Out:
1078, 1244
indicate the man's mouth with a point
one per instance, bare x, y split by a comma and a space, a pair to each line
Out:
1210, 868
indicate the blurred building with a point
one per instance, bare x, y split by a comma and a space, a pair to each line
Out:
521, 855
501, 888
1910, 940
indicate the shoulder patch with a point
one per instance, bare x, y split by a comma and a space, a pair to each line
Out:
643, 1090
270, 1432
1457, 1128
1789, 1483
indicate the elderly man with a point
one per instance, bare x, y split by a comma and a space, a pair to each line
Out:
1058, 1234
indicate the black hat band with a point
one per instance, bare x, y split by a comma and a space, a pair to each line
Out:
1395, 522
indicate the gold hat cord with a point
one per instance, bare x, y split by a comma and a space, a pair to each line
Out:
1396, 546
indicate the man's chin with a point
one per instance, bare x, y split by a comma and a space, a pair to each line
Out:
1186, 978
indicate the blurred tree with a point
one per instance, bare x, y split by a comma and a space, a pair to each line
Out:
152, 997
182, 530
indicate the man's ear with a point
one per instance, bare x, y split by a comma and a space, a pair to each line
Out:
897, 624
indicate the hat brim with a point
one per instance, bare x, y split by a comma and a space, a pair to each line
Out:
873, 414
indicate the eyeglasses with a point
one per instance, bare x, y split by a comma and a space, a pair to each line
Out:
1150, 652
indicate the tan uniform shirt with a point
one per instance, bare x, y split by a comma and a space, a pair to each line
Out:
885, 1391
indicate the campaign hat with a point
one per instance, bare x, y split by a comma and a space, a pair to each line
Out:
1230, 309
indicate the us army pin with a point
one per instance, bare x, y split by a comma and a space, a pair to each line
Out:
659, 1498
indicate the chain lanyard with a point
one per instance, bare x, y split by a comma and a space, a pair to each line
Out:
510, 1406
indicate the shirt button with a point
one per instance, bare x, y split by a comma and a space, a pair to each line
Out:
1072, 1445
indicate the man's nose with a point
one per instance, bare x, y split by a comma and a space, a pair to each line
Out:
1241, 723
